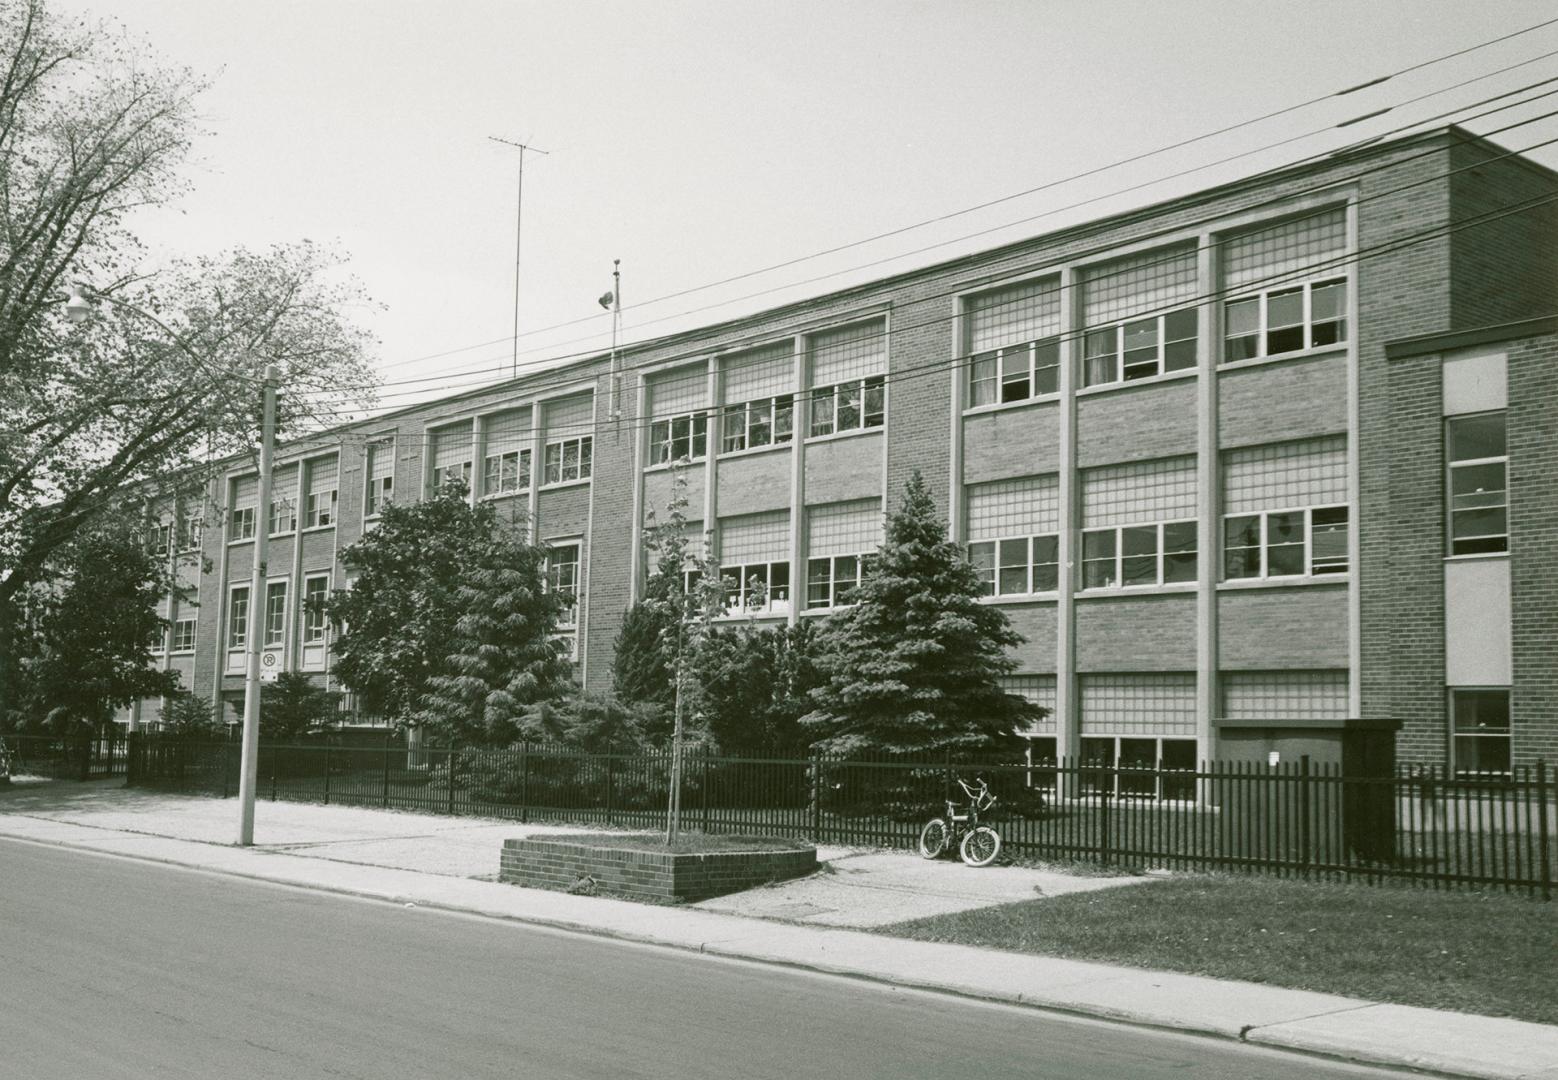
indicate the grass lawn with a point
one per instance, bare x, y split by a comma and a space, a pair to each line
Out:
1478, 953
687, 843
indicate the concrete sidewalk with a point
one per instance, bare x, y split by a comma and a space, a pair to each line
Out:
299, 837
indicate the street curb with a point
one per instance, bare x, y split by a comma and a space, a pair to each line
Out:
713, 949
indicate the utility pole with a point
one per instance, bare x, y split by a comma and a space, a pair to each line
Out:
250, 757
519, 225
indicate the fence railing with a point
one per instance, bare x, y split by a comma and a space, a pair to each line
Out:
1418, 825
65, 757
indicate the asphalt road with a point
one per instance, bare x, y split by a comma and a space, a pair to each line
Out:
117, 969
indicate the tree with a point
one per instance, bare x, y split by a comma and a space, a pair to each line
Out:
189, 717
95, 418
750, 685
93, 628
502, 661
294, 705
914, 664
418, 574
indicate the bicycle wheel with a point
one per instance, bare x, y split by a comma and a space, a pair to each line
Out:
933, 838
981, 846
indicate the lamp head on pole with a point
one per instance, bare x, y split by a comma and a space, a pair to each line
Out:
606, 300
78, 309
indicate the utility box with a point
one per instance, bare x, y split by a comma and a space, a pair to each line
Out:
1316, 792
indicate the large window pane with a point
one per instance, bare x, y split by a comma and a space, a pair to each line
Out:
1098, 562
1139, 546
1046, 563
981, 379
983, 558
1014, 567
818, 583
1179, 551
1285, 544
1241, 547
1328, 540
1481, 731
1242, 329
1284, 321
1473, 437
1101, 357
1046, 367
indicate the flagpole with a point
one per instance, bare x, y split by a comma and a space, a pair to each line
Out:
519, 225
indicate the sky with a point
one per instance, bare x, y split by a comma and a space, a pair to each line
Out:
700, 141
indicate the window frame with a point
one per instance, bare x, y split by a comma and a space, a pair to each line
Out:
316, 624
584, 456
832, 598
319, 517
736, 600
743, 413
1161, 343
1455, 735
238, 599
377, 490
568, 619
1160, 555
177, 638
1025, 357
288, 513
521, 474
1264, 544
442, 474
664, 440
1262, 332
995, 579
191, 526
1478, 542
837, 397
242, 522
273, 626
1184, 784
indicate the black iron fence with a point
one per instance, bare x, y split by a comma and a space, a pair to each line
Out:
1418, 825
65, 757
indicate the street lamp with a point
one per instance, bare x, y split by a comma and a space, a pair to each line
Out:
78, 309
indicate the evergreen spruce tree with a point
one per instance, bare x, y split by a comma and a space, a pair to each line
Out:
504, 671
913, 666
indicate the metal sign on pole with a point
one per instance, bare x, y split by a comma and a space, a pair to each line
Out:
249, 759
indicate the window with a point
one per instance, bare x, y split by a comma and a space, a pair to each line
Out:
680, 438
1140, 348
1480, 732
1015, 372
1139, 555
765, 422
857, 405
1285, 543
1285, 320
829, 580
283, 516
380, 478
1140, 768
1478, 497
562, 577
757, 588
241, 525
568, 460
1014, 567
507, 473
189, 532
315, 592
275, 613
184, 635
380, 490
238, 618
458, 473
321, 507
159, 538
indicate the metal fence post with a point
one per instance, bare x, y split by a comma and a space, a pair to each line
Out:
132, 745
1543, 832
1103, 815
524, 781
327, 774
451, 778
610, 784
816, 797
1304, 835
704, 782
386, 767
227, 764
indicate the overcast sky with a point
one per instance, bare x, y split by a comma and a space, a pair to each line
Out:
696, 141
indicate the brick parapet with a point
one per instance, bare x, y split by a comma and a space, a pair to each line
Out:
654, 875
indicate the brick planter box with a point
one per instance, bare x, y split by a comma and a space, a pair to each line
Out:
650, 875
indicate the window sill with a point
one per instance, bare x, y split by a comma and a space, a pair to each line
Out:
1477, 556
759, 616
852, 433
664, 466
318, 528
1295, 581
182, 652
758, 451
564, 484
494, 496
1007, 406
1297, 354
241, 540
1178, 588
1132, 384
1021, 598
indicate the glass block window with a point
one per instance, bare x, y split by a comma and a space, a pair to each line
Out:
1157, 703
1284, 695
1018, 313
451, 455
506, 431
1020, 507
765, 372
1288, 250
1307, 472
1150, 283
506, 458
851, 352
570, 417
246, 492
1040, 690
1141, 491
680, 391
755, 538
847, 528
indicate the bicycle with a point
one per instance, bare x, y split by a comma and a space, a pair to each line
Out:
978, 845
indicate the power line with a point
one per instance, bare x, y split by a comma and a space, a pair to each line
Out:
1033, 190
